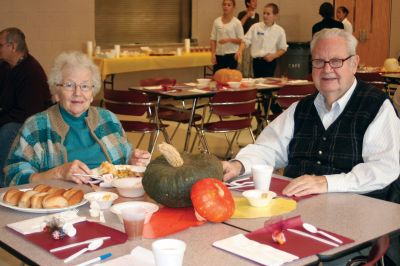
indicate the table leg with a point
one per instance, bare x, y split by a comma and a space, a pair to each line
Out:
189, 128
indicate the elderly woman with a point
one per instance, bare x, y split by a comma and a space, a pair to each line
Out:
71, 137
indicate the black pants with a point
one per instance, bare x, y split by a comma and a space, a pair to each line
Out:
262, 68
225, 61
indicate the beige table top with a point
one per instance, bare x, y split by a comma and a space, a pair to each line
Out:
199, 241
358, 217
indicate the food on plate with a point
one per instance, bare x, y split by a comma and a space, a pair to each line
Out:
118, 171
25, 201
12, 196
212, 200
73, 196
41, 188
53, 197
169, 184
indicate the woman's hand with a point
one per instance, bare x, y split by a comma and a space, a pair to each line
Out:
140, 157
213, 59
306, 185
67, 171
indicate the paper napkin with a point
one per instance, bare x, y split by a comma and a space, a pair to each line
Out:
36, 224
277, 206
157, 87
139, 257
263, 254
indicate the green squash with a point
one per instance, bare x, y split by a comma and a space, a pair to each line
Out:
171, 186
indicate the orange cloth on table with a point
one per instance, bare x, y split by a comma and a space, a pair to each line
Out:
168, 221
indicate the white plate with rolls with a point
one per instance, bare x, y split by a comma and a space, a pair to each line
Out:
55, 201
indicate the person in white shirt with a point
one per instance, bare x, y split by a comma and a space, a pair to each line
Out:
341, 14
268, 42
226, 36
344, 138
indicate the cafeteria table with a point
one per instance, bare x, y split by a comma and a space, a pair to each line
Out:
109, 67
199, 240
361, 218
181, 93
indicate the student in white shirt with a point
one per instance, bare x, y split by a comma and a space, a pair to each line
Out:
226, 36
268, 42
341, 14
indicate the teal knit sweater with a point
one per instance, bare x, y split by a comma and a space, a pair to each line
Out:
39, 147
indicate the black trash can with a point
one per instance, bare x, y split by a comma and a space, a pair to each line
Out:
295, 63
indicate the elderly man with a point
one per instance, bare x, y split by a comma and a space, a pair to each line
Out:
23, 88
343, 139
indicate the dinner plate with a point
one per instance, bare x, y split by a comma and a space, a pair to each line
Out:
134, 168
32, 210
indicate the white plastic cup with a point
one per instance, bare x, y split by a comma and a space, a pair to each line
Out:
117, 50
179, 51
89, 48
187, 45
262, 174
168, 252
97, 50
133, 218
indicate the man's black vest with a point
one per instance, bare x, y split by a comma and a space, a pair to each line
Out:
314, 150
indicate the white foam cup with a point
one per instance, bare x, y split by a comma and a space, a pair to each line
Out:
168, 252
262, 174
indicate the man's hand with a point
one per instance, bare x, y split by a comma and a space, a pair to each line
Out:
231, 169
306, 185
140, 158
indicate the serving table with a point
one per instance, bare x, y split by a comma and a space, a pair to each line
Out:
109, 67
199, 240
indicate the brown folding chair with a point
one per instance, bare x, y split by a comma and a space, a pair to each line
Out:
287, 95
136, 103
234, 110
375, 256
169, 112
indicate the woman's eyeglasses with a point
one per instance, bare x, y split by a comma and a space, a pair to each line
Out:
71, 86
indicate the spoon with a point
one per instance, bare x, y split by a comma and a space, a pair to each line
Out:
92, 246
312, 229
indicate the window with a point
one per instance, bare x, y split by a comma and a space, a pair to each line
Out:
142, 21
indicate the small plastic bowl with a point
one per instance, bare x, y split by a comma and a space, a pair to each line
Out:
204, 82
247, 82
130, 187
259, 198
150, 208
103, 198
234, 84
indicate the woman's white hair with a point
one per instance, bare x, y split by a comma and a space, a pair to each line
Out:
73, 60
350, 40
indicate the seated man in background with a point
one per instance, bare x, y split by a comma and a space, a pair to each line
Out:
345, 138
23, 88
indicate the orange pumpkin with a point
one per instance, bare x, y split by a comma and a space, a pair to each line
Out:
224, 75
212, 200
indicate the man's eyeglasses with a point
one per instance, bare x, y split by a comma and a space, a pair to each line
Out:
334, 62
71, 86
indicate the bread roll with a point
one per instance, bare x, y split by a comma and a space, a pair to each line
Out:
36, 200
25, 200
73, 195
52, 201
41, 188
12, 196
56, 190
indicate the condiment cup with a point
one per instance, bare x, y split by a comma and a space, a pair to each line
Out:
130, 187
203, 82
234, 84
259, 198
248, 82
103, 198
168, 252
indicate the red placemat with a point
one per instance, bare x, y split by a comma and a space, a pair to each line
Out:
295, 244
168, 221
85, 230
277, 186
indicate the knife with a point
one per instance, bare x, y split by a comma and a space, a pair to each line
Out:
79, 243
301, 233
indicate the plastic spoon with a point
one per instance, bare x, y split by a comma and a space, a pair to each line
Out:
92, 246
312, 229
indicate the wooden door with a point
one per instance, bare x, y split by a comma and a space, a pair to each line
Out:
371, 26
